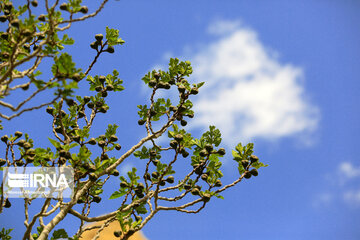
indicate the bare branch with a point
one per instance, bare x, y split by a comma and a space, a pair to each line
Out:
92, 219
103, 227
29, 109
86, 16
31, 224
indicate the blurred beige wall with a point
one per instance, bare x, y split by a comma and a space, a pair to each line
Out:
108, 233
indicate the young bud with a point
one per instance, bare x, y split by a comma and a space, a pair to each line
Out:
115, 173
34, 3
194, 91
21, 142
15, 23
90, 105
245, 163
104, 157
179, 137
109, 87
92, 141
181, 89
184, 154
99, 37
218, 183
84, 9
204, 177
103, 109
173, 108
86, 99
247, 175
183, 122
26, 33
254, 172
7, 203
173, 143
81, 114
2, 162
50, 110
101, 143
4, 35
102, 79
208, 147
141, 122
42, 18
70, 102
254, 158
206, 197
187, 186
104, 94
195, 191
157, 76
3, 18
94, 45
152, 153
8, 6
155, 162
76, 77
152, 83
221, 151
96, 198
155, 174
27, 145
64, 7
117, 234
203, 153
4, 138
92, 177
170, 179
77, 138
110, 49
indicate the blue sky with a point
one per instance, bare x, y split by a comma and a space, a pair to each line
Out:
282, 74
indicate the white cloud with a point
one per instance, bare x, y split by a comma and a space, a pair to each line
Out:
344, 183
323, 199
352, 197
248, 93
346, 169
346, 172
125, 168
222, 27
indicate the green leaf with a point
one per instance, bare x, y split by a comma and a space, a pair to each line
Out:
67, 41
219, 196
4, 233
55, 143
141, 209
112, 36
236, 156
199, 85
63, 64
60, 233
117, 194
239, 148
111, 130
258, 165
213, 136
249, 149
241, 168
